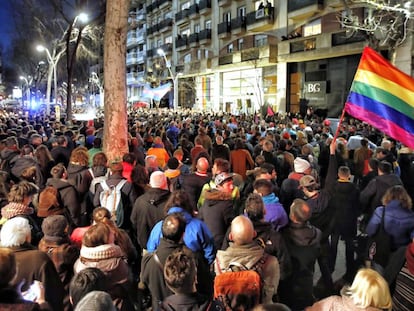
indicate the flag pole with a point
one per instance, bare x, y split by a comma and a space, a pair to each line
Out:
339, 124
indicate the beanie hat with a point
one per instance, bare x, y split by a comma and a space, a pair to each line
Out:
172, 163
300, 165
96, 301
158, 180
54, 226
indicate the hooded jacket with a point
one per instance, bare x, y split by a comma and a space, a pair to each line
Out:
197, 236
68, 198
148, 210
217, 212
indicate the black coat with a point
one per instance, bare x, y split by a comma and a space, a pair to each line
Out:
303, 243
192, 185
68, 198
345, 201
217, 212
147, 211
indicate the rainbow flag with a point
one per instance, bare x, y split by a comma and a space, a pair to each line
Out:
383, 96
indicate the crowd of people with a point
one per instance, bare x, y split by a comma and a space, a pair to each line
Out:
199, 195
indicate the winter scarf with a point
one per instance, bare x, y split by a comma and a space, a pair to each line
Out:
14, 209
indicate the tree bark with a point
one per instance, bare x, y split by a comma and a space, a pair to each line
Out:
115, 143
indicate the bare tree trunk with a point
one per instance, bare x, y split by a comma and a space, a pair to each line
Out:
115, 143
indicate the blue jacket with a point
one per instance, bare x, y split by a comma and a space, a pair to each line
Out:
398, 222
275, 213
197, 236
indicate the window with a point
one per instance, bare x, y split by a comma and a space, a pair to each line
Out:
208, 24
168, 40
260, 40
187, 58
159, 43
185, 32
313, 28
227, 17
241, 12
230, 48
240, 44
168, 15
196, 28
185, 5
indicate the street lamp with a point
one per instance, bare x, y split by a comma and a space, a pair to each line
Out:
53, 61
174, 78
27, 89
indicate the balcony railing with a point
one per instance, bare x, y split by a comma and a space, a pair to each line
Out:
181, 41
250, 54
163, 3
204, 34
193, 10
341, 38
226, 59
294, 5
238, 22
204, 6
193, 38
181, 15
303, 45
224, 27
165, 24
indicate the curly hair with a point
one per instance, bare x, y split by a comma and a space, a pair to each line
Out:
397, 193
80, 156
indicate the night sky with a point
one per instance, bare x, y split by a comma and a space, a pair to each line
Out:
6, 23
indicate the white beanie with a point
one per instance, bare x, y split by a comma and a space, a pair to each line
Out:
300, 165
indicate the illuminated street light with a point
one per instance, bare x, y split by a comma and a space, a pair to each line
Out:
174, 78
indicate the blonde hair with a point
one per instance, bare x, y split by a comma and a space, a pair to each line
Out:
20, 191
369, 289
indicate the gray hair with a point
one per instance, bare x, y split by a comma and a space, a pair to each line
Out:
14, 232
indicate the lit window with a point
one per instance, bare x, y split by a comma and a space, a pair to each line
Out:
208, 24
240, 44
168, 39
230, 48
185, 5
313, 28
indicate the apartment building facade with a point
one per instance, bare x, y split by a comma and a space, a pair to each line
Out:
237, 56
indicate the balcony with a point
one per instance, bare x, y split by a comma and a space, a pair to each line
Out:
193, 40
181, 43
204, 36
164, 3
150, 7
131, 39
131, 59
204, 7
181, 16
226, 59
301, 9
179, 68
238, 25
222, 3
151, 53
260, 20
325, 45
165, 25
223, 30
136, 77
167, 48
250, 54
193, 11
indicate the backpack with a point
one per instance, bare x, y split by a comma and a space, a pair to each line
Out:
49, 203
96, 180
111, 199
239, 286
